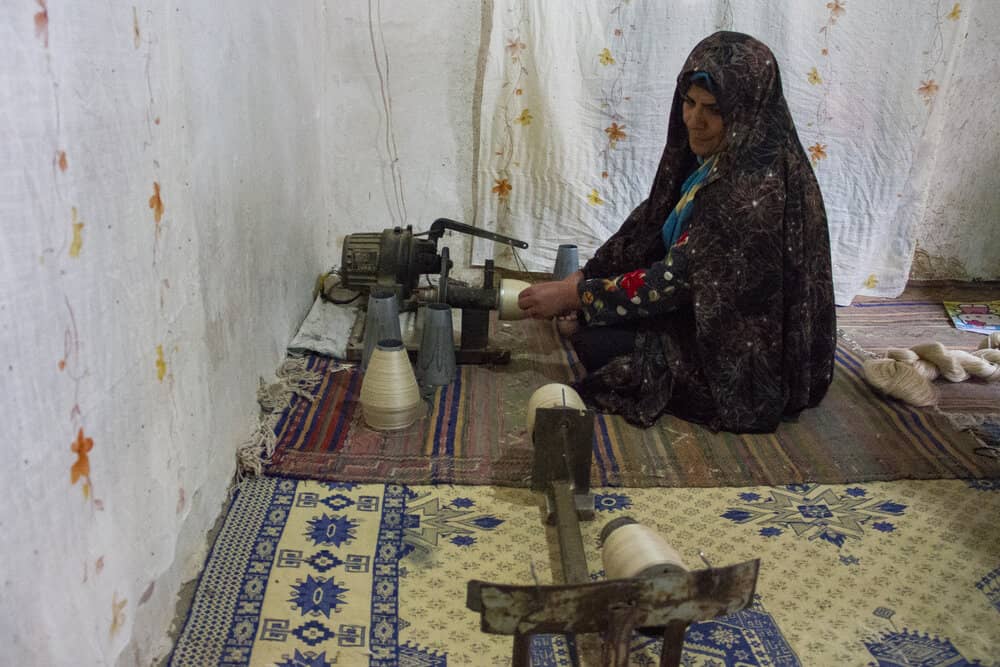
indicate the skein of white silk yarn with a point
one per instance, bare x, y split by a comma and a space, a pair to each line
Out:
906, 374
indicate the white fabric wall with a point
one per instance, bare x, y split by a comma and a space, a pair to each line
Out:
576, 98
958, 233
274, 129
399, 109
146, 337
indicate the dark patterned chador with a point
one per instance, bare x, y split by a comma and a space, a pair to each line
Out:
734, 322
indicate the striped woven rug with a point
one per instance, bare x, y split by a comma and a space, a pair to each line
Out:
475, 432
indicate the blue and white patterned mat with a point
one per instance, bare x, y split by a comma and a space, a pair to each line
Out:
310, 574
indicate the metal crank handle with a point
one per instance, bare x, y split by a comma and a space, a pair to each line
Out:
441, 224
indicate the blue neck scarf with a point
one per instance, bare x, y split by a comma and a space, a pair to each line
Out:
677, 221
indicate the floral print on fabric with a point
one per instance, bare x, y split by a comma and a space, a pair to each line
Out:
637, 294
752, 335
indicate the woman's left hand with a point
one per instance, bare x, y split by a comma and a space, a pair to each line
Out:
546, 300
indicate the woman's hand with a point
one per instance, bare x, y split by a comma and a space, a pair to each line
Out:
546, 300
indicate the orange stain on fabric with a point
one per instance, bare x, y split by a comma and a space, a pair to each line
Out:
955, 13
156, 203
615, 133
836, 8
117, 613
161, 364
928, 89
62, 162
81, 467
514, 48
817, 152
502, 187
77, 244
42, 23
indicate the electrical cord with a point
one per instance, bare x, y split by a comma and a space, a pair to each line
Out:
340, 302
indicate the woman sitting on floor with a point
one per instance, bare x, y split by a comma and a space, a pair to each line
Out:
714, 300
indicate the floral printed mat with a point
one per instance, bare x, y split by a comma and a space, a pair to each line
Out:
320, 573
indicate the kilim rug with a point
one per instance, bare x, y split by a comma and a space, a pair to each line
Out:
475, 433
320, 574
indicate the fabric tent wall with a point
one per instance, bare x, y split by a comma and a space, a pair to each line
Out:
174, 178
158, 207
576, 96
133, 337
400, 111
957, 235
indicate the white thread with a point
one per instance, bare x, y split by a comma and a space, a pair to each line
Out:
507, 306
390, 397
635, 550
907, 374
552, 395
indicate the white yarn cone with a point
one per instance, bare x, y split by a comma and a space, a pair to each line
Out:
633, 550
509, 291
390, 398
553, 395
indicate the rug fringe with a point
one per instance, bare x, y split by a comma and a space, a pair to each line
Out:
293, 379
854, 345
258, 450
963, 421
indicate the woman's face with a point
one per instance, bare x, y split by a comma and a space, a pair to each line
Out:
703, 120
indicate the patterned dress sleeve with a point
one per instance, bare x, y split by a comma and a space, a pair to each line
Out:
641, 293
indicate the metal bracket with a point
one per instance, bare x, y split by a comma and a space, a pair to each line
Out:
669, 601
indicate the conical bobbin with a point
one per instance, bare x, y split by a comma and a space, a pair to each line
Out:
390, 398
381, 322
436, 359
567, 261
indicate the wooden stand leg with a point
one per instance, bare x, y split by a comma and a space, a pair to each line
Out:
522, 651
619, 639
673, 645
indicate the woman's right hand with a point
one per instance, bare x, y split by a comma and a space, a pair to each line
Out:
556, 297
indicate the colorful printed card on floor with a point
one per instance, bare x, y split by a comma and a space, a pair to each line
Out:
981, 318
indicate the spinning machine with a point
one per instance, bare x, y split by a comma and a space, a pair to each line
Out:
394, 259
648, 587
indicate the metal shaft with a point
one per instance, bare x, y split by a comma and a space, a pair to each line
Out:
574, 560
